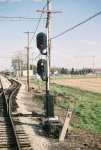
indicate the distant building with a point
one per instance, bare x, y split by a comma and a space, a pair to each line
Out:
55, 72
24, 73
98, 71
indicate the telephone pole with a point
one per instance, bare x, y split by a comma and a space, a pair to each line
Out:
28, 68
49, 44
49, 97
93, 64
17, 67
28, 61
20, 65
49, 121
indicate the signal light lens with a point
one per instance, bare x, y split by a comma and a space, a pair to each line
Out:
42, 69
41, 42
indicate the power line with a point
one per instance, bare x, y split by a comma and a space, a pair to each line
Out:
4, 57
47, 4
86, 20
26, 18
39, 22
36, 57
11, 52
13, 20
20, 51
7, 53
36, 28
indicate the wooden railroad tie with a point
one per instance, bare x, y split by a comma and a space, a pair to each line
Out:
66, 124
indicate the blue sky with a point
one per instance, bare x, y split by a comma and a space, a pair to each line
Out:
73, 49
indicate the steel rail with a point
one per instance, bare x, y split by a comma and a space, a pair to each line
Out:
9, 113
1, 93
8, 110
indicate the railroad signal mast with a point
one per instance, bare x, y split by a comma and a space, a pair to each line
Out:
43, 69
43, 42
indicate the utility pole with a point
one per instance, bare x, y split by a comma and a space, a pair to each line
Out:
32, 62
48, 56
28, 68
93, 63
17, 75
50, 122
20, 66
49, 97
28, 62
49, 45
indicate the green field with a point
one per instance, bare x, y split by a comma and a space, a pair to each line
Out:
86, 105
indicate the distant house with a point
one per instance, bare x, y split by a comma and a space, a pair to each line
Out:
55, 72
25, 72
98, 71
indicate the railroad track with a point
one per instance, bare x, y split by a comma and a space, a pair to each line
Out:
12, 135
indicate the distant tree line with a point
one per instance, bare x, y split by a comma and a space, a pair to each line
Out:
18, 64
72, 71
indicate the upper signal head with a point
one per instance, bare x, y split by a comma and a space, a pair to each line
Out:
41, 42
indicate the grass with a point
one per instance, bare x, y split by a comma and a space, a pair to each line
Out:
89, 116
63, 104
87, 106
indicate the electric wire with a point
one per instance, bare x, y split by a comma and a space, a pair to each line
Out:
13, 20
37, 57
2, 57
86, 20
26, 18
36, 28
39, 22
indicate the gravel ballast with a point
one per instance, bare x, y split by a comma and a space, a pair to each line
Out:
5, 82
31, 125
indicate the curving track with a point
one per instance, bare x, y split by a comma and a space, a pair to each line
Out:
12, 135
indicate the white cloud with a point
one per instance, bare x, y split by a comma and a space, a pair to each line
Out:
37, 0
60, 54
2, 1
88, 42
15, 0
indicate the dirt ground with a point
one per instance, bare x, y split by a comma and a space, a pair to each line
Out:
90, 84
77, 139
